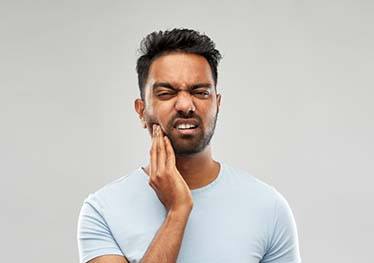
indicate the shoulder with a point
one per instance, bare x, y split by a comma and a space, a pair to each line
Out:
256, 194
274, 211
246, 181
123, 188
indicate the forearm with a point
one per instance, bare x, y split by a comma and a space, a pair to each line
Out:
166, 244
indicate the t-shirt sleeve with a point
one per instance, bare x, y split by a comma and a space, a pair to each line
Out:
283, 245
93, 234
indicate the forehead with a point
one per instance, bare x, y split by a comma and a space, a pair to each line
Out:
180, 69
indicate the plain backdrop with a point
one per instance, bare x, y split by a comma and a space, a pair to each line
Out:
297, 112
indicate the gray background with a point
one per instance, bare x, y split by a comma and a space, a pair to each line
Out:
297, 112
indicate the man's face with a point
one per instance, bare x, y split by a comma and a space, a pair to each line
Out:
179, 93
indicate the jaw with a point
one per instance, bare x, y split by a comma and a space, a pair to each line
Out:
188, 144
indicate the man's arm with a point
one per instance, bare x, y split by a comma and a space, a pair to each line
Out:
176, 196
165, 245
283, 244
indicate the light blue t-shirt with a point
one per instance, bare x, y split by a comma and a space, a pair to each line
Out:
236, 218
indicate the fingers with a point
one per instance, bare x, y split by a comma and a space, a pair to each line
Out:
158, 151
161, 158
153, 153
170, 153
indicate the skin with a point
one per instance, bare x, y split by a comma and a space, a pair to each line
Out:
183, 71
178, 163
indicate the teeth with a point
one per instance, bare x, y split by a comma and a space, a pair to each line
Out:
185, 126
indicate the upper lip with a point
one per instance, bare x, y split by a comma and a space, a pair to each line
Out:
186, 121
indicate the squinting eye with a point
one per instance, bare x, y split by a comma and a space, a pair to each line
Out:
164, 95
203, 93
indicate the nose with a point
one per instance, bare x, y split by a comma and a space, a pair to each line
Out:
184, 103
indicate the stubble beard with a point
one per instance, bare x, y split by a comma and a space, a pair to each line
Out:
193, 144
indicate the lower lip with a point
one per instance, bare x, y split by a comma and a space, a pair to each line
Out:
187, 131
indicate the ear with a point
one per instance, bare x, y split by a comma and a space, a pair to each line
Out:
218, 101
139, 108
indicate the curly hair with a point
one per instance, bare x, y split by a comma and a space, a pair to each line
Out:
182, 40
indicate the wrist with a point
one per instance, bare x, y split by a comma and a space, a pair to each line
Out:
179, 213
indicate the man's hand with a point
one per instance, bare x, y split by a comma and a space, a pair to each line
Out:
176, 196
164, 177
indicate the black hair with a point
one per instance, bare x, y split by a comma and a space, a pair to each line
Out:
182, 40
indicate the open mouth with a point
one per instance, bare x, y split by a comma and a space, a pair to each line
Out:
186, 126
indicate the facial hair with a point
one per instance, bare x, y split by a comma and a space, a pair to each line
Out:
191, 144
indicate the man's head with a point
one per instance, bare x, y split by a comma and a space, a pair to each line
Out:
177, 75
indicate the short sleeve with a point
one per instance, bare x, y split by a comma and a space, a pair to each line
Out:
93, 234
283, 246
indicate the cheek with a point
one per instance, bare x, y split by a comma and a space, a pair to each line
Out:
157, 116
210, 117
209, 111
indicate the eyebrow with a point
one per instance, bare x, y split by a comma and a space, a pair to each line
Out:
170, 86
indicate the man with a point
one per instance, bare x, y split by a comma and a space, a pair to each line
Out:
183, 206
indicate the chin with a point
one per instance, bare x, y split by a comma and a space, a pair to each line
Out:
190, 151
189, 148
